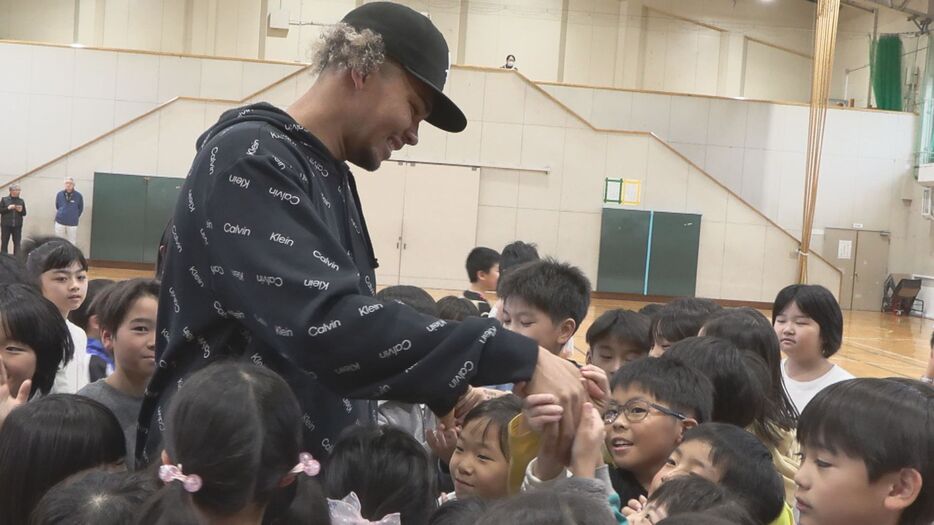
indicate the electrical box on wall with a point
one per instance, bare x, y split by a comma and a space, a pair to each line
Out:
926, 175
279, 19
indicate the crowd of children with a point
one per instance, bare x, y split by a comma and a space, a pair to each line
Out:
697, 414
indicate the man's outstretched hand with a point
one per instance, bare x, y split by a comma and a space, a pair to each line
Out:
556, 376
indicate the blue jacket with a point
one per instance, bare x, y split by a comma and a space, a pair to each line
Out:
68, 208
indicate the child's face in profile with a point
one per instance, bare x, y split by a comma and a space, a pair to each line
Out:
523, 318
690, 458
641, 447
65, 287
19, 359
612, 353
134, 344
798, 334
489, 279
479, 467
834, 489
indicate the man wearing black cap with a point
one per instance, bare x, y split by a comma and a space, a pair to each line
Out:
270, 260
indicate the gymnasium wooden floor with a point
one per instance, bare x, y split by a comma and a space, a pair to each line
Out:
875, 344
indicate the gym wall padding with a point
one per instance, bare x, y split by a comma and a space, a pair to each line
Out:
648, 252
129, 215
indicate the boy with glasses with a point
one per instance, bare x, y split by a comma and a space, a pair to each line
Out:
652, 403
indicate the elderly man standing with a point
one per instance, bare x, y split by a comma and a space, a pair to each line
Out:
12, 211
69, 205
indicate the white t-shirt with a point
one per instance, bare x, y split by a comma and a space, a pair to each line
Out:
73, 376
802, 392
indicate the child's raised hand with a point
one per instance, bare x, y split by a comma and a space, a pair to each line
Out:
471, 398
587, 451
442, 441
541, 409
634, 506
9, 402
597, 385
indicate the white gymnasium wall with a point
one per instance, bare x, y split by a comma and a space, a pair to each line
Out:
775, 74
161, 143
620, 43
55, 98
512, 123
757, 150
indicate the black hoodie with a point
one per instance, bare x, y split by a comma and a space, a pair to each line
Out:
270, 261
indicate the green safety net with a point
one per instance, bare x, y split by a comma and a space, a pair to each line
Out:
886, 60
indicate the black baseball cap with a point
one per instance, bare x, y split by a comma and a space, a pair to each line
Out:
415, 43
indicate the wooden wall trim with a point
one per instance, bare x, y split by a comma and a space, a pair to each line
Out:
148, 52
663, 299
716, 97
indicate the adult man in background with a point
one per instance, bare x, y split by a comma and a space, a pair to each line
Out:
69, 205
12, 211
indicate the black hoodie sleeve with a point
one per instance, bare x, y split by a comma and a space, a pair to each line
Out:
302, 296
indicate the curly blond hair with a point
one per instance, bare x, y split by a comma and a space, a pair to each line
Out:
343, 46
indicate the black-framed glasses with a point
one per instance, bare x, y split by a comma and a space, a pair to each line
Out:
636, 411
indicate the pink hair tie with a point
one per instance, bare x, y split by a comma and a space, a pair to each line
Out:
347, 512
170, 473
306, 464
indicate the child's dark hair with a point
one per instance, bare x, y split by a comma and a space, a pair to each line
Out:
560, 290
95, 496
12, 270
459, 512
33, 320
50, 253
516, 253
498, 411
651, 310
412, 296
387, 468
625, 325
746, 468
886, 423
238, 427
669, 381
547, 507
727, 513
821, 306
112, 305
45, 441
687, 494
82, 315
453, 308
682, 318
480, 259
738, 394
751, 331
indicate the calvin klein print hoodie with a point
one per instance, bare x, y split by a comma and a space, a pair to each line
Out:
269, 260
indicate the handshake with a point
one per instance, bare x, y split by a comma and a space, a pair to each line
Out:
562, 403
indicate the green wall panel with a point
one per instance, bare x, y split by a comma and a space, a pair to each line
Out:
624, 238
129, 215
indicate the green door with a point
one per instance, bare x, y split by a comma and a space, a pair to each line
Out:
129, 215
118, 217
161, 196
624, 236
673, 261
